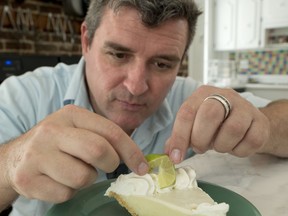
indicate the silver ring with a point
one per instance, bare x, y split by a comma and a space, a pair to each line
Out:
224, 101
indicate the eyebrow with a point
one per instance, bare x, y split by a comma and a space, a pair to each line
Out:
116, 46
119, 47
171, 58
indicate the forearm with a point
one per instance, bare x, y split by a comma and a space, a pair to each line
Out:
8, 195
277, 113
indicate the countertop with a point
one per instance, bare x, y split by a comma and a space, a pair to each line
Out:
267, 86
261, 179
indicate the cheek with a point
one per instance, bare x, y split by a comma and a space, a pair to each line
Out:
95, 68
101, 79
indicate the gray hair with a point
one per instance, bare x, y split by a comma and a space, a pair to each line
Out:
153, 13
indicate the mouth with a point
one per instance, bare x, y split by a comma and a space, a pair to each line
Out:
131, 106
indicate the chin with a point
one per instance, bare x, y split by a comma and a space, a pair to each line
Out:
127, 121
128, 125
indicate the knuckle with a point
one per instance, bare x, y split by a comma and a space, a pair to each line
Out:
70, 108
186, 112
113, 164
202, 90
255, 141
82, 179
64, 194
97, 151
46, 128
236, 128
115, 133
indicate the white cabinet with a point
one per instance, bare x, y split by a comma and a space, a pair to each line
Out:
248, 24
237, 24
275, 13
225, 24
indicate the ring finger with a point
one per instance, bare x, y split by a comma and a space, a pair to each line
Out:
232, 132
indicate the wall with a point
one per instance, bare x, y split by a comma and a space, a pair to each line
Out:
38, 27
42, 27
196, 49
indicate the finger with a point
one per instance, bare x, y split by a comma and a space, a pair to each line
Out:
232, 131
129, 152
68, 170
179, 141
254, 139
207, 123
43, 188
90, 148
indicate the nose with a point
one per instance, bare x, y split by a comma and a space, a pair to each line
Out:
136, 80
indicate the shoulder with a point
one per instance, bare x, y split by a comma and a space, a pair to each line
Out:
58, 75
42, 79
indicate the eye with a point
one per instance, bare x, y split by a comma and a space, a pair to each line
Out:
118, 55
162, 65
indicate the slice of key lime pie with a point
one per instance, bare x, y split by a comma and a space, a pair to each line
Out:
164, 192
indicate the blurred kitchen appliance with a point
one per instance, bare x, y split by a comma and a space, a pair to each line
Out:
18, 64
221, 72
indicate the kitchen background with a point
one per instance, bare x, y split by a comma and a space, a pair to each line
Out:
34, 33
242, 44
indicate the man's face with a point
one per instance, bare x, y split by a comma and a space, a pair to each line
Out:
130, 68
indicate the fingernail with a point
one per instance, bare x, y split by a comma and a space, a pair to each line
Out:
176, 155
143, 168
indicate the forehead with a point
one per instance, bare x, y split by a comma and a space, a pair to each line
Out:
125, 26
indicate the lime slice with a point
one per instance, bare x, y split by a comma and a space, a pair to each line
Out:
162, 166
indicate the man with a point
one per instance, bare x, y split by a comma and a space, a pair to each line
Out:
63, 128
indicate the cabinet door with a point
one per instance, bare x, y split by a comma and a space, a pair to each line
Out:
225, 24
275, 13
248, 24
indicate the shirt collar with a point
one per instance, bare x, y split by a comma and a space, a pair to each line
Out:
161, 119
77, 91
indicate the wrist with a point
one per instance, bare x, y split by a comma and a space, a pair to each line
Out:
5, 186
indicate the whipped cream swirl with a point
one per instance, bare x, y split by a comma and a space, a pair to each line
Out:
133, 184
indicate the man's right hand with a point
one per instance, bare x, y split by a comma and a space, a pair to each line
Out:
60, 155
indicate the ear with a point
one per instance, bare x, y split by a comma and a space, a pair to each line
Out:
84, 38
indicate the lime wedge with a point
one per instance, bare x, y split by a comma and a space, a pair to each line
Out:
162, 166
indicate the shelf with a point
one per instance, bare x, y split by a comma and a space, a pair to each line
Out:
276, 38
